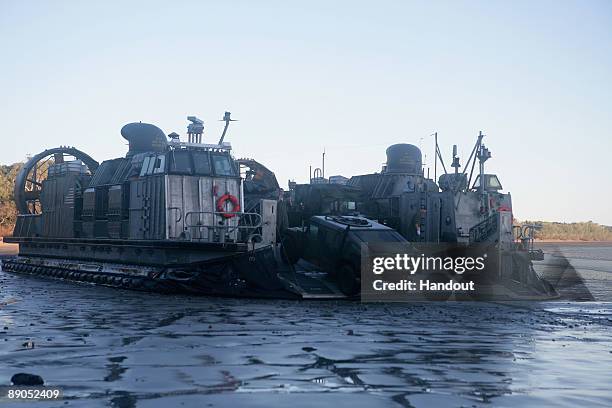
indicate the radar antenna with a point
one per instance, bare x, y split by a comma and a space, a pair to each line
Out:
195, 129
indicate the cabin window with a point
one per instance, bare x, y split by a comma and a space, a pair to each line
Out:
490, 180
201, 163
493, 182
180, 162
222, 165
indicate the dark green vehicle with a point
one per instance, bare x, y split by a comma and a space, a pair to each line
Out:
333, 245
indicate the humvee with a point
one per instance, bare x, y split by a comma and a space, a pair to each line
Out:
333, 245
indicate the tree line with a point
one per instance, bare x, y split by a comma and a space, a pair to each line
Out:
574, 231
8, 212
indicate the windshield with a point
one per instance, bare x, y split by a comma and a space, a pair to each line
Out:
201, 163
493, 182
378, 236
222, 165
180, 162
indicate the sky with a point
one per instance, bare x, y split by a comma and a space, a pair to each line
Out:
349, 77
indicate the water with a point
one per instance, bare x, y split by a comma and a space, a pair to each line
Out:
109, 347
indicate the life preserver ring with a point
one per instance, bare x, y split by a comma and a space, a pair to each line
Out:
221, 205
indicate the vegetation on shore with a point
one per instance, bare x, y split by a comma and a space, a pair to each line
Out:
8, 212
572, 231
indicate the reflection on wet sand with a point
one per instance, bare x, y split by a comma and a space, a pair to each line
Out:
108, 347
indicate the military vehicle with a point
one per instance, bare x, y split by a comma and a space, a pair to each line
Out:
333, 245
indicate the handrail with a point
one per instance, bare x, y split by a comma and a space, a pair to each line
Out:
221, 229
525, 235
238, 215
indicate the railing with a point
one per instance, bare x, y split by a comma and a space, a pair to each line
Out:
525, 236
525, 231
209, 226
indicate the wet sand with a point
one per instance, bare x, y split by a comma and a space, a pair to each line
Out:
109, 347
8, 249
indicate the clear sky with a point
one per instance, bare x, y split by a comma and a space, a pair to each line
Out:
351, 77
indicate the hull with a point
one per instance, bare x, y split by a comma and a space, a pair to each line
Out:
224, 270
193, 268
132, 252
253, 274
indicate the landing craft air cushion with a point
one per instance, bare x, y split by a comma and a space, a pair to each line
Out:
170, 216
460, 209
188, 217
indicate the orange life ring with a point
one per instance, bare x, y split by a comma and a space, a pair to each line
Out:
221, 203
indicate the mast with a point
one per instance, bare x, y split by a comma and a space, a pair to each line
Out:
436, 158
227, 119
483, 155
323, 168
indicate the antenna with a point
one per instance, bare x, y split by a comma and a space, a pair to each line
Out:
436, 157
455, 163
323, 168
227, 120
483, 155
